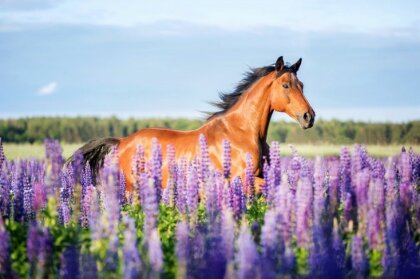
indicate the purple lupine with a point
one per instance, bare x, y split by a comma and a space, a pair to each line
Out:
109, 177
359, 159
157, 168
247, 258
347, 207
266, 186
149, 204
39, 250
304, 197
359, 260
64, 205
338, 249
182, 247
5, 249
87, 205
181, 186
238, 198
77, 164
345, 174
169, 193
5, 189
53, 155
137, 167
227, 159
69, 263
28, 199
228, 233
376, 214
132, 261
17, 189
192, 190
122, 184
333, 185
39, 196
2, 157
249, 177
275, 162
293, 172
361, 190
204, 159
269, 242
211, 200
155, 252
406, 188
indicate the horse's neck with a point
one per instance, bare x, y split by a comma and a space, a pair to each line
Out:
252, 113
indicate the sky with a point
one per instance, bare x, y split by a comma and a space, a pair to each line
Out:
132, 58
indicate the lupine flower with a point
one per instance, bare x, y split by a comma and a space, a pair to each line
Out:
64, 207
275, 162
338, 249
69, 263
359, 159
204, 158
149, 203
5, 190
345, 173
155, 252
212, 195
247, 256
362, 184
192, 190
227, 160
2, 157
181, 186
358, 257
121, 188
249, 178
266, 186
238, 199
5, 262
28, 199
39, 249
304, 196
406, 191
17, 189
132, 262
269, 241
87, 205
157, 168
228, 233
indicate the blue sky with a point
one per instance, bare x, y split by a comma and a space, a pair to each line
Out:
167, 58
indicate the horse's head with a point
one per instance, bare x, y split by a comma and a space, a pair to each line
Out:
287, 94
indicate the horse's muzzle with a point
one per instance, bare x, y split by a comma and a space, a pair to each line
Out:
307, 119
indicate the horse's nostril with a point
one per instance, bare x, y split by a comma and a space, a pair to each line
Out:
307, 117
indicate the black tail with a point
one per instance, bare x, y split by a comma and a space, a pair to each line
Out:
94, 152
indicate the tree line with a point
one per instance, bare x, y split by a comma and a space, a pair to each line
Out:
82, 129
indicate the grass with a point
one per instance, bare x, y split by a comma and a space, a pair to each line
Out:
13, 151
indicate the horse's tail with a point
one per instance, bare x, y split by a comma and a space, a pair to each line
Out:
94, 152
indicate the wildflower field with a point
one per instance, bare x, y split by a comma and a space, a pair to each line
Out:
348, 216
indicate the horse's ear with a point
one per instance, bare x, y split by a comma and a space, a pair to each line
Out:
295, 67
279, 64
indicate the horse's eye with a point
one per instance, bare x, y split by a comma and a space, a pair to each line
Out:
285, 85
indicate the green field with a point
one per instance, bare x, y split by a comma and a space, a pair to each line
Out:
13, 151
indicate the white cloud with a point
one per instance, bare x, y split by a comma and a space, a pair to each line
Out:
48, 89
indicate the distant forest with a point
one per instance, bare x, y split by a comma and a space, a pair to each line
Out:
82, 129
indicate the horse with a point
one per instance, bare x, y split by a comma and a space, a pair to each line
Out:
243, 119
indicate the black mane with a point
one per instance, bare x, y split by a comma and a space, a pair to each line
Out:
227, 100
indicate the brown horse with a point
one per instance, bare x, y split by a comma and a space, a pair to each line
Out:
243, 120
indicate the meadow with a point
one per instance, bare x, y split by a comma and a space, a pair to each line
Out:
347, 216
37, 150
